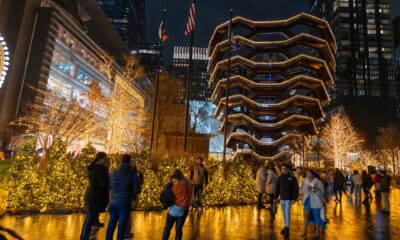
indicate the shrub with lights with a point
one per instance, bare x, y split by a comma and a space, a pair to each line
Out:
63, 182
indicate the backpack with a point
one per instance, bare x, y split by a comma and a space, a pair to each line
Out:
167, 196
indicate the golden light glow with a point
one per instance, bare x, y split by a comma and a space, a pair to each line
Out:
310, 61
247, 83
307, 19
299, 39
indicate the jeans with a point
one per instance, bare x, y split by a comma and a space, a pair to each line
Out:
285, 206
197, 195
92, 216
357, 191
118, 213
170, 223
385, 196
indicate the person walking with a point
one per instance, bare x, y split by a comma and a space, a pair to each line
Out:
288, 189
199, 178
177, 213
124, 188
366, 186
270, 184
313, 191
385, 189
377, 178
338, 183
357, 179
96, 197
260, 186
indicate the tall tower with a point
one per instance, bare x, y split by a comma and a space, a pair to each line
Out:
278, 82
127, 17
365, 65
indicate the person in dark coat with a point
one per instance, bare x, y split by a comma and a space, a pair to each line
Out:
366, 184
124, 188
287, 188
338, 185
96, 197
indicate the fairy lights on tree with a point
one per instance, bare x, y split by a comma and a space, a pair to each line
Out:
339, 139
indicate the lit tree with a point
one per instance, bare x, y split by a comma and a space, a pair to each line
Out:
367, 158
338, 139
57, 117
388, 142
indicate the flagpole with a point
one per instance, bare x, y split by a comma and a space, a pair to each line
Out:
153, 119
227, 88
188, 82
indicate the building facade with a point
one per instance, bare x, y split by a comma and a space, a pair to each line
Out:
365, 65
199, 89
51, 47
396, 37
128, 18
278, 83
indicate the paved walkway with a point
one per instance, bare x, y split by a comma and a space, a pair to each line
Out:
348, 221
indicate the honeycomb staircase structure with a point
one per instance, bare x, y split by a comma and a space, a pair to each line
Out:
279, 78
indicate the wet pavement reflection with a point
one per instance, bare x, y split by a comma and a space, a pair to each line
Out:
348, 220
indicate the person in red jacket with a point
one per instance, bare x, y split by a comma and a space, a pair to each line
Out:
182, 190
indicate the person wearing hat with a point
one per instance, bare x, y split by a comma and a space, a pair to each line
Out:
182, 191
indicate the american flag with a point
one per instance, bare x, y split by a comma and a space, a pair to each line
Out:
190, 23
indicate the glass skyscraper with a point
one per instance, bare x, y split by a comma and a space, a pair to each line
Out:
127, 17
365, 57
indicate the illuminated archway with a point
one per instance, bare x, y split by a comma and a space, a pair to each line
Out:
4, 60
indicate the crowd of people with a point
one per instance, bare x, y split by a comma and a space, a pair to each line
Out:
316, 189
118, 191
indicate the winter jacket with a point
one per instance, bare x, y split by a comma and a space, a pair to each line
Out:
385, 183
287, 187
338, 179
183, 191
199, 174
366, 181
123, 185
270, 185
316, 198
357, 179
260, 180
97, 194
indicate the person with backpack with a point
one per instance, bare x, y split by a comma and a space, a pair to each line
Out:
199, 178
124, 188
338, 183
366, 184
385, 189
182, 191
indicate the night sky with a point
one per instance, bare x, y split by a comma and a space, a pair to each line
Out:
210, 13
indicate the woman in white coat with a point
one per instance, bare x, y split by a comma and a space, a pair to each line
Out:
313, 201
260, 185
